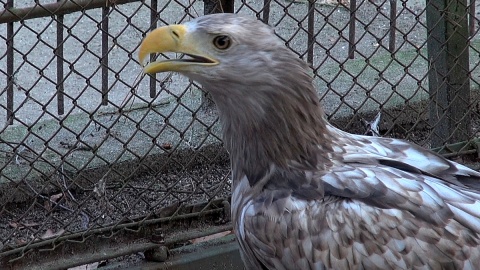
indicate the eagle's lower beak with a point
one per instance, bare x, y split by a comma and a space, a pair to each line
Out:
173, 38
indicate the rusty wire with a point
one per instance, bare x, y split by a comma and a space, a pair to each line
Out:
90, 147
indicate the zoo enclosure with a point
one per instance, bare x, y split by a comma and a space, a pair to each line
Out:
95, 154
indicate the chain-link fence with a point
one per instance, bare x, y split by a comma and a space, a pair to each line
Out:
99, 161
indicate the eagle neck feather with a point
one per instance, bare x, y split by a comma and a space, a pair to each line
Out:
279, 124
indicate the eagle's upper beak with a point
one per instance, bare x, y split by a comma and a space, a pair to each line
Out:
173, 38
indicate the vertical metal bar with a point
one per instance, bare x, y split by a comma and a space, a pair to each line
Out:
210, 7
448, 76
228, 6
60, 76
351, 29
311, 30
10, 76
393, 25
104, 60
153, 25
471, 18
266, 11
218, 6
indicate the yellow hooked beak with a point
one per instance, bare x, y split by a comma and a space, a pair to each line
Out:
177, 39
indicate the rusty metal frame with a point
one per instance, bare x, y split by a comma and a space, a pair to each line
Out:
61, 7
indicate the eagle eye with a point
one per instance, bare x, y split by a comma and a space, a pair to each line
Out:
222, 42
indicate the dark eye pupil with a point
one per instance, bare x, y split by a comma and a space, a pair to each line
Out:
222, 42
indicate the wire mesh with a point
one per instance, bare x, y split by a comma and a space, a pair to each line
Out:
90, 146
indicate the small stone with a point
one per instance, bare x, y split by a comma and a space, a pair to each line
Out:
158, 254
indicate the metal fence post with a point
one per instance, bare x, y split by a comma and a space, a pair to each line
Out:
311, 30
60, 59
104, 59
448, 76
10, 68
153, 24
218, 6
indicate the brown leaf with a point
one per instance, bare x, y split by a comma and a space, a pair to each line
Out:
49, 234
47, 205
167, 146
56, 197
20, 241
21, 225
14, 225
53, 199
30, 224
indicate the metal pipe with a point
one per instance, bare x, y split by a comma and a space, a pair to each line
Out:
266, 11
311, 30
11, 14
10, 62
471, 18
351, 29
393, 25
104, 59
60, 59
153, 25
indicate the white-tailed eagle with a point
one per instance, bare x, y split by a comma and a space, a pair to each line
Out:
307, 195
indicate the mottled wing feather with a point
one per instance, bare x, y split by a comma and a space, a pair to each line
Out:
386, 205
418, 227
366, 149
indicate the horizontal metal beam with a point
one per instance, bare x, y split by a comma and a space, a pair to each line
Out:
108, 248
59, 8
